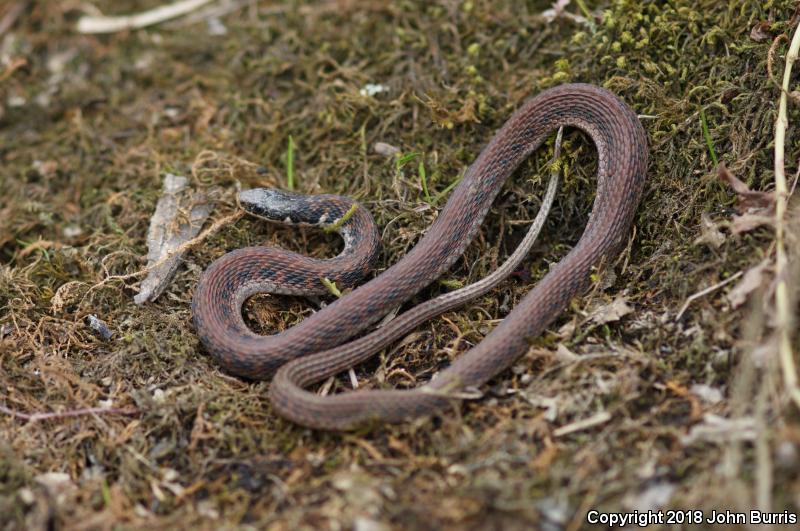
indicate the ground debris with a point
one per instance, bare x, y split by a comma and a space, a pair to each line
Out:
611, 312
167, 232
722, 430
755, 208
760, 31
387, 150
709, 233
99, 326
751, 281
652, 498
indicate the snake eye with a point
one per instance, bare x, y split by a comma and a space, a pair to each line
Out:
270, 203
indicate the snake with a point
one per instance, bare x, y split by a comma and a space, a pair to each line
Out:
323, 344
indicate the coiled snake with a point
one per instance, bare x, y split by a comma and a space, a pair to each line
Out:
317, 347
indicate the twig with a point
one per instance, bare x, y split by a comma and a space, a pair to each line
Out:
226, 7
221, 9
326, 387
290, 164
783, 308
705, 292
600, 418
89, 24
33, 417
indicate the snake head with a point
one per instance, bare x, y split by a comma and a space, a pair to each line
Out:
272, 204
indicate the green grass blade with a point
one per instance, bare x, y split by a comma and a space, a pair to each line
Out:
290, 164
707, 136
423, 178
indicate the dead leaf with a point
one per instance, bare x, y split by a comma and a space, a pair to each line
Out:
760, 31
167, 232
709, 233
559, 5
58, 485
716, 429
546, 457
467, 113
47, 168
748, 222
446, 118
558, 11
755, 208
565, 355
611, 312
750, 282
567, 330
747, 198
706, 393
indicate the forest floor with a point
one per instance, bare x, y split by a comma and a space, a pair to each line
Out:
632, 400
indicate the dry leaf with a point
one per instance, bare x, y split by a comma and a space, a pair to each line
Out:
558, 11
747, 198
168, 231
716, 429
467, 113
750, 282
709, 233
755, 207
760, 31
652, 498
565, 355
706, 393
748, 222
611, 312
566, 331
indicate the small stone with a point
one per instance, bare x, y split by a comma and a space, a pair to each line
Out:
99, 326
387, 150
159, 396
26, 496
371, 89
71, 231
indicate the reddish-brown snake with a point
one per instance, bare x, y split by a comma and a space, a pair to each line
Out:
317, 348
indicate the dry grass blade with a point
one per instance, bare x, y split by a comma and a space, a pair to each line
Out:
784, 312
706, 291
56, 415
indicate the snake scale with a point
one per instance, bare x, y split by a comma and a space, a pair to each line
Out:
318, 347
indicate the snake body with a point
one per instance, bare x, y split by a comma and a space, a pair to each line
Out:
317, 347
